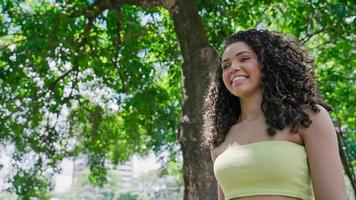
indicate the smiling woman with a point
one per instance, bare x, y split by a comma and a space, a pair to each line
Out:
269, 130
241, 70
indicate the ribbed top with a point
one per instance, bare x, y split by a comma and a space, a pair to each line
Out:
273, 167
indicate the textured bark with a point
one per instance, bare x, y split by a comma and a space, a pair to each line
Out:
198, 57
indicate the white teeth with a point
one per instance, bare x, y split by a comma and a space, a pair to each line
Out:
238, 78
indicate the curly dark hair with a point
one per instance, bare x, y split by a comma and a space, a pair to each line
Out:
288, 83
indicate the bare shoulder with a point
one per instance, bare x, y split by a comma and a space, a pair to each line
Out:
321, 113
321, 126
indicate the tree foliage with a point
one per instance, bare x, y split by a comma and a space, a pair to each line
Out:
103, 78
80, 83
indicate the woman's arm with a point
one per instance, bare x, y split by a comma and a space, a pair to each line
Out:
220, 192
323, 157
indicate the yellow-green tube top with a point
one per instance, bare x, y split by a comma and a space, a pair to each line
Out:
273, 167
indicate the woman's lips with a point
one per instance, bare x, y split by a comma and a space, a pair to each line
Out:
238, 78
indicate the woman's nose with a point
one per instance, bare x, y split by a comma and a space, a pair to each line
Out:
235, 67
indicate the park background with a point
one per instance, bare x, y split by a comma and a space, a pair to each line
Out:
96, 82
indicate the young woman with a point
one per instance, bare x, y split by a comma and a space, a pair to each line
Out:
269, 130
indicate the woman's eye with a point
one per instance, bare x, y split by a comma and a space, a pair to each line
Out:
225, 66
244, 58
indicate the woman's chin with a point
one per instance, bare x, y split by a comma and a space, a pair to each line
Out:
242, 93
238, 93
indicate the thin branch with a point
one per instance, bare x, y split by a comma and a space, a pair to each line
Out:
53, 85
73, 87
117, 45
322, 44
97, 7
308, 36
14, 42
96, 120
147, 3
91, 13
87, 30
117, 42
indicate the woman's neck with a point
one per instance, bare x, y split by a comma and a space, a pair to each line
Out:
251, 107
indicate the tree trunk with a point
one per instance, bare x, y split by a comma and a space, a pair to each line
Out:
198, 57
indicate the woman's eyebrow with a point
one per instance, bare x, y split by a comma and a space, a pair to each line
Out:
237, 54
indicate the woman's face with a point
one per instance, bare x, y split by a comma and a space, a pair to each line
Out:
241, 70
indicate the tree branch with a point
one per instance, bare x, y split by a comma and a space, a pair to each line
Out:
117, 44
53, 85
14, 42
308, 36
97, 7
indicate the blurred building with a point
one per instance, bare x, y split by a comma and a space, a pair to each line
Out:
126, 173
